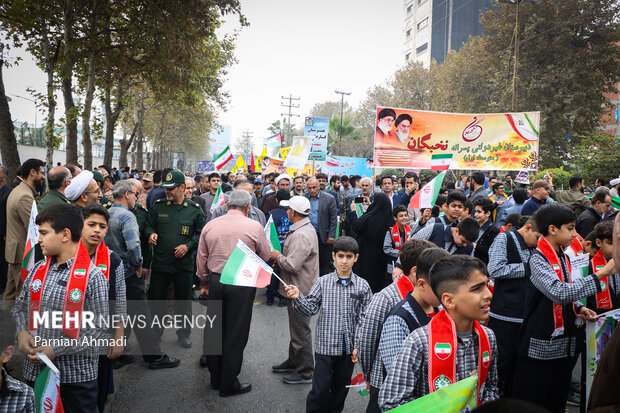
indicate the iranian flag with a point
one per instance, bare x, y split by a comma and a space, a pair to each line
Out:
245, 269
223, 158
218, 199
31, 241
272, 234
47, 388
441, 162
426, 197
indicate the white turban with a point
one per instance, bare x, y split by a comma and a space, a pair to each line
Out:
281, 177
78, 185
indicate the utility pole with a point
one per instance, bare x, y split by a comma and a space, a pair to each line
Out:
246, 136
290, 107
341, 114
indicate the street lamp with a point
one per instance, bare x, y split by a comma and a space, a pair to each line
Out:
341, 114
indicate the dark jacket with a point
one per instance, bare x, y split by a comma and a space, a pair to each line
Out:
328, 216
586, 221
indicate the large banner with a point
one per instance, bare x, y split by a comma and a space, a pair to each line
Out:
435, 140
598, 334
299, 152
318, 129
343, 165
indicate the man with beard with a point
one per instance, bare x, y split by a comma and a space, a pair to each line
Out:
384, 127
403, 122
18, 207
83, 190
574, 197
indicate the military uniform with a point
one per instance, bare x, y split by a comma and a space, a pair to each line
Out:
53, 197
104, 201
174, 224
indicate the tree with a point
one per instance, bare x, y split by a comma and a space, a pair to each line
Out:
348, 143
8, 142
329, 108
245, 146
596, 156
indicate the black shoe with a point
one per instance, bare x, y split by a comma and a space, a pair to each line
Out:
164, 362
295, 378
269, 301
122, 361
203, 361
282, 302
243, 388
282, 368
574, 399
185, 342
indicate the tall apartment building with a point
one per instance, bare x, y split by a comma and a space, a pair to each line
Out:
434, 27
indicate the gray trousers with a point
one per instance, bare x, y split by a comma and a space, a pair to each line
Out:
300, 354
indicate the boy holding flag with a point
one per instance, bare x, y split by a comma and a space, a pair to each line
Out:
341, 297
65, 282
453, 343
609, 297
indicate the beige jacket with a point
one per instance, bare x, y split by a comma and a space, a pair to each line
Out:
299, 261
18, 207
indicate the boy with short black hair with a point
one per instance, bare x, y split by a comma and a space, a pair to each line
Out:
513, 221
15, 396
416, 310
546, 340
453, 343
483, 212
396, 236
454, 238
455, 204
68, 282
509, 255
95, 227
341, 297
609, 298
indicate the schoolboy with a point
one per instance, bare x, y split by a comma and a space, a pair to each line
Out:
416, 310
15, 396
455, 205
341, 297
483, 211
609, 298
546, 340
95, 227
396, 236
369, 332
66, 282
512, 222
454, 238
509, 255
453, 344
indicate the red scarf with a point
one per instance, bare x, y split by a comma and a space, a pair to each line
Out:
102, 260
552, 256
404, 286
396, 235
74, 294
603, 299
442, 344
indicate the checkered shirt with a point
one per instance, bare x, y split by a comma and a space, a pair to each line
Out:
427, 231
407, 380
15, 396
395, 331
77, 363
369, 332
500, 269
341, 308
432, 221
546, 281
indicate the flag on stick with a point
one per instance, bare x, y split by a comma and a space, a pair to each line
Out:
441, 162
239, 165
223, 158
274, 140
272, 235
31, 241
426, 197
246, 269
218, 199
47, 388
252, 163
358, 383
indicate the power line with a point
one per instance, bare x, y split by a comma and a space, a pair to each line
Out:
290, 107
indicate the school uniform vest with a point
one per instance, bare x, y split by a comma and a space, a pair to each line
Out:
442, 235
420, 319
538, 322
509, 294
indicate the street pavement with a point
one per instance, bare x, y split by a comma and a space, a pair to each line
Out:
186, 388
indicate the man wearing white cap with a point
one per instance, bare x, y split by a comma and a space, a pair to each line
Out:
615, 187
283, 181
299, 265
83, 190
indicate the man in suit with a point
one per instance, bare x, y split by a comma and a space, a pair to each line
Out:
254, 213
5, 190
18, 207
323, 217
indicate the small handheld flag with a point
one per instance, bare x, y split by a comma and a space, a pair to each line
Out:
426, 197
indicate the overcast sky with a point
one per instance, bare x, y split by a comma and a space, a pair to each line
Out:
307, 49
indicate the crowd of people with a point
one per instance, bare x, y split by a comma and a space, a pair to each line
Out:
497, 278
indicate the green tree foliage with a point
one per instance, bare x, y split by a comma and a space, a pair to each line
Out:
597, 156
560, 177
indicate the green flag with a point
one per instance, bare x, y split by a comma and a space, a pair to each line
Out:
272, 234
450, 399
